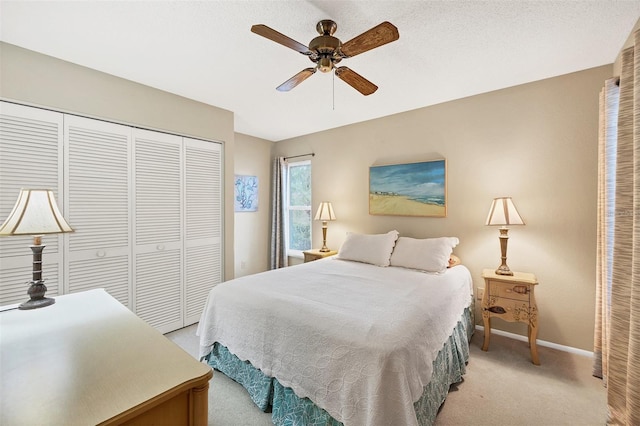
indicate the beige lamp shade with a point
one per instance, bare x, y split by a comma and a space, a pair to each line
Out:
35, 213
325, 212
503, 212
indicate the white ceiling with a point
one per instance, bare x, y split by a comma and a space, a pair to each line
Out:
204, 50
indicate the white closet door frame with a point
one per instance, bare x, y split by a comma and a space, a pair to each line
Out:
17, 258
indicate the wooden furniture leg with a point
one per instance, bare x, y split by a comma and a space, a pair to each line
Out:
487, 331
200, 398
533, 334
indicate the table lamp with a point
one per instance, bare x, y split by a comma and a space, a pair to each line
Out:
325, 213
35, 213
502, 213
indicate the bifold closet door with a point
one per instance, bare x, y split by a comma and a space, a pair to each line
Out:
203, 213
146, 208
30, 157
97, 184
158, 225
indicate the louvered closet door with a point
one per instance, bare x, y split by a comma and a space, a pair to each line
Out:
30, 157
97, 179
203, 212
158, 229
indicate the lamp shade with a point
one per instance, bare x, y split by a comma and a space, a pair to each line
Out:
35, 213
325, 212
503, 212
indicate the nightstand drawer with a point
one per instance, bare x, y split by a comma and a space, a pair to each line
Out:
509, 309
509, 291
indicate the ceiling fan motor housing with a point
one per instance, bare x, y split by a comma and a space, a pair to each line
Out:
325, 47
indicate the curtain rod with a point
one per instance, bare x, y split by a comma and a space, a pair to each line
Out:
301, 155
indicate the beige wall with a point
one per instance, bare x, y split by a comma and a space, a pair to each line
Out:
535, 142
35, 79
252, 157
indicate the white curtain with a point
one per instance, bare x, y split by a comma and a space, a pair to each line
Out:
607, 151
278, 214
618, 304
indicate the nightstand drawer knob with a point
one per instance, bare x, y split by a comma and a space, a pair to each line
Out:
497, 310
520, 289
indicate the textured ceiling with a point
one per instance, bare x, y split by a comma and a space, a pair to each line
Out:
204, 50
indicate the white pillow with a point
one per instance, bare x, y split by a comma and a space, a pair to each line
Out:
375, 249
430, 254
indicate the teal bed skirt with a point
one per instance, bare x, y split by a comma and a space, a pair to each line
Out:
290, 410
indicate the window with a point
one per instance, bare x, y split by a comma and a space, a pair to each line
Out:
298, 207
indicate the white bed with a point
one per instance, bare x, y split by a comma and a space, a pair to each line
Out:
358, 340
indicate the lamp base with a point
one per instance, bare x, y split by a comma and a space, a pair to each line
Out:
37, 303
36, 291
503, 270
324, 248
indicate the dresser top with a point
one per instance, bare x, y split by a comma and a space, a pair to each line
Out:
84, 360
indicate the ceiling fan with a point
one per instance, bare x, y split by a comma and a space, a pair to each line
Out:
326, 51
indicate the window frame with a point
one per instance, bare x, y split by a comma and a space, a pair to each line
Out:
294, 252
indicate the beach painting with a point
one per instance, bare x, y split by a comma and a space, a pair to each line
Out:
412, 189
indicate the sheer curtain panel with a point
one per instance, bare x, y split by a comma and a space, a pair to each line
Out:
618, 333
609, 101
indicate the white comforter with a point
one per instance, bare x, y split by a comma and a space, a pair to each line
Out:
357, 339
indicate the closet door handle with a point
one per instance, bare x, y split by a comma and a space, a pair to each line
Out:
101, 253
160, 247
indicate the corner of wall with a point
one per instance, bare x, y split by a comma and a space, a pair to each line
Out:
617, 65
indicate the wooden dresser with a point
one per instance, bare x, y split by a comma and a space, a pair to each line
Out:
87, 359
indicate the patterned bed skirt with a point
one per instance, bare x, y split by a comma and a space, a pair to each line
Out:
288, 409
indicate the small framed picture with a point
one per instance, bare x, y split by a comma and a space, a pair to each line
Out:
246, 193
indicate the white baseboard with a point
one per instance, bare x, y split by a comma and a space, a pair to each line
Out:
539, 342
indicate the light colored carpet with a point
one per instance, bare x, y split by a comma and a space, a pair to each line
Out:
501, 387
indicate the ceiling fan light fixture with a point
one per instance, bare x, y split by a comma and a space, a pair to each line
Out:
325, 64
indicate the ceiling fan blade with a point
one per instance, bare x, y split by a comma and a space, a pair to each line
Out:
296, 79
274, 35
375, 37
356, 81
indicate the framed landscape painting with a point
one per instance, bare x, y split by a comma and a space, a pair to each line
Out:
412, 189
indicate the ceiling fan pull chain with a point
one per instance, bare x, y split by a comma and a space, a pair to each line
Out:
333, 90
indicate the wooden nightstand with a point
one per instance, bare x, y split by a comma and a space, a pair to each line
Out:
512, 298
315, 254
